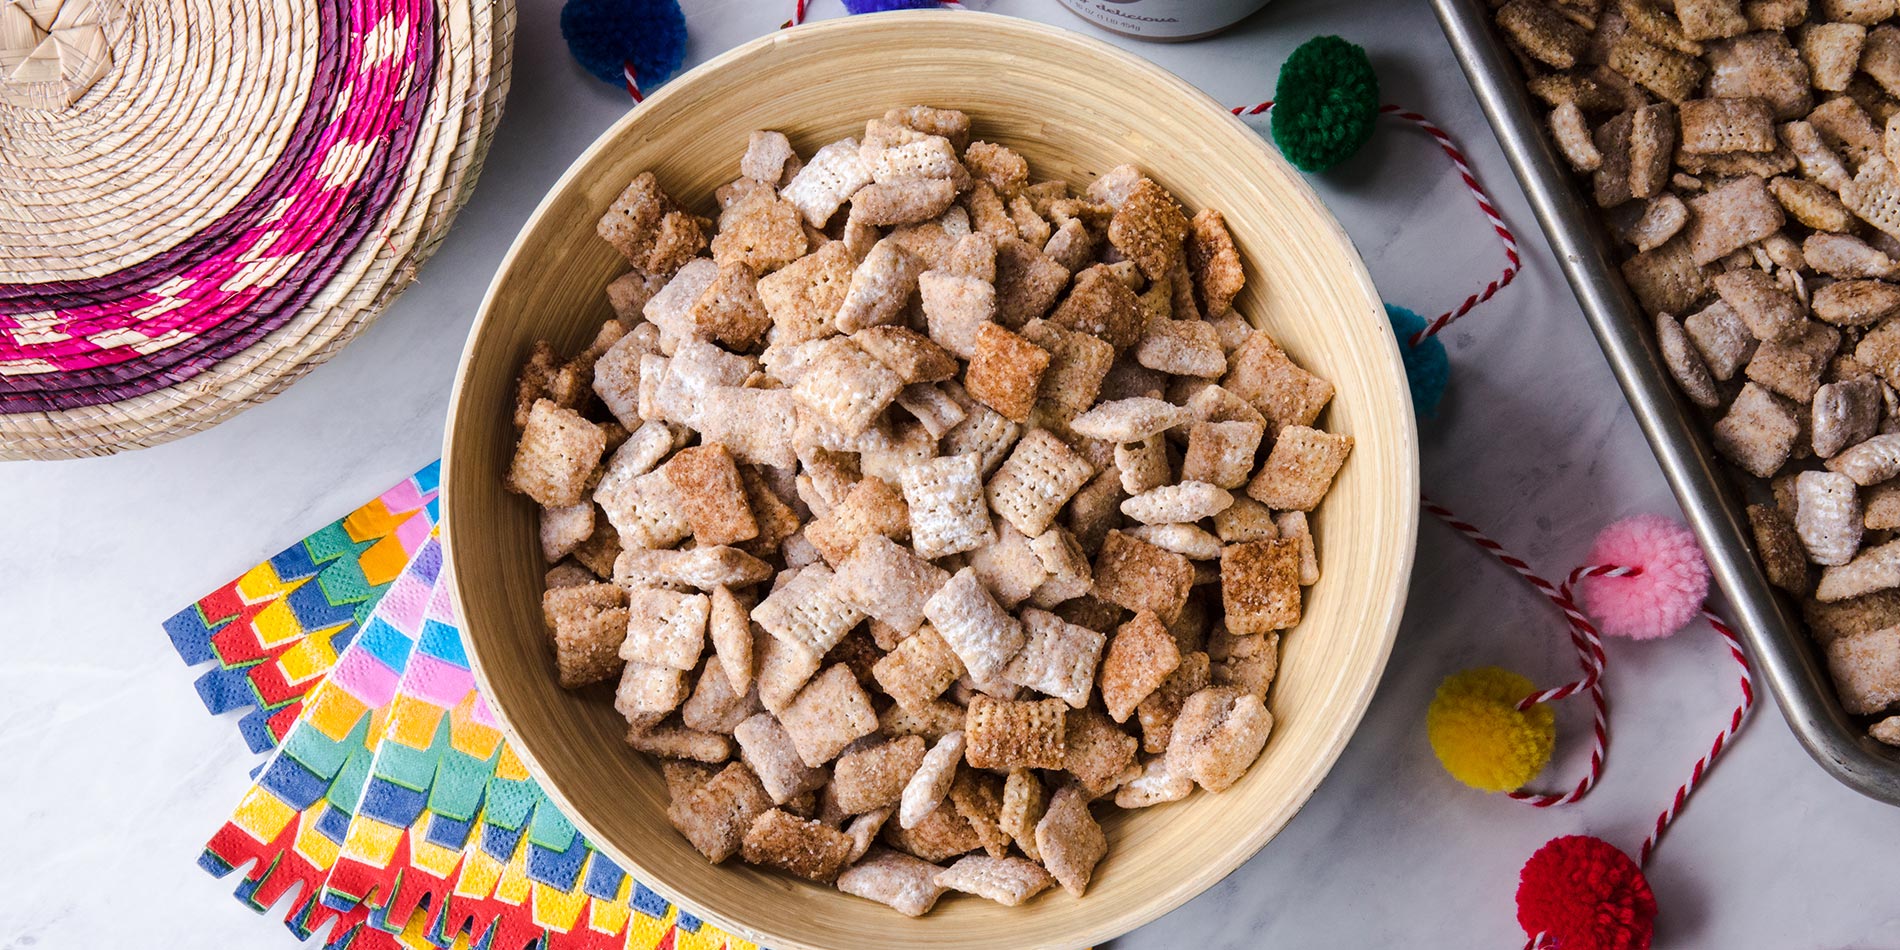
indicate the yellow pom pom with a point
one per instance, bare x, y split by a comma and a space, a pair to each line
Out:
1480, 736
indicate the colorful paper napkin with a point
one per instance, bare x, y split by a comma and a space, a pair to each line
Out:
272, 633
392, 810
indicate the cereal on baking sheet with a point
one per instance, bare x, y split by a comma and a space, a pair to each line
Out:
1792, 366
586, 624
1543, 33
1856, 303
1866, 669
1058, 658
1005, 371
649, 229
947, 513
1713, 126
1665, 279
924, 791
556, 454
801, 846
1010, 734
1778, 546
1874, 569
1758, 432
831, 712
897, 880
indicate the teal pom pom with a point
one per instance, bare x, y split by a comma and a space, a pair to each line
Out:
1427, 367
1325, 103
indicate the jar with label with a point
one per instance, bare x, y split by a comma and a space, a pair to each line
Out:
1164, 20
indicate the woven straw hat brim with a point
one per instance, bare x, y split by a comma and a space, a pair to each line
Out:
318, 302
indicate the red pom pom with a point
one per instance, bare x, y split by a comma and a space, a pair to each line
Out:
1581, 893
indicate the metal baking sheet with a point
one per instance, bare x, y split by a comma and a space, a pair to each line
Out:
1789, 663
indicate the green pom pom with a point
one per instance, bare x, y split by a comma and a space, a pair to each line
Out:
1325, 103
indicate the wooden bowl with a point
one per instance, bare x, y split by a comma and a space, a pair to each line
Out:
1075, 108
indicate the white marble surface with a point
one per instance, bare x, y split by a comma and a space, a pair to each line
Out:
114, 776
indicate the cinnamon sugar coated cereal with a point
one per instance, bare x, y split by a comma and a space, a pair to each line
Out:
1746, 154
920, 510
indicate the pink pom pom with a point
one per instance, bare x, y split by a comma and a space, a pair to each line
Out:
1667, 589
1671, 581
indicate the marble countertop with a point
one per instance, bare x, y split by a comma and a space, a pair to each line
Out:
115, 776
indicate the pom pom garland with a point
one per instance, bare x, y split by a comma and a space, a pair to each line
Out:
1327, 97
1665, 588
626, 42
1427, 366
1481, 737
1581, 893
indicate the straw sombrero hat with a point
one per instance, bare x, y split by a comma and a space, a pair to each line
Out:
202, 199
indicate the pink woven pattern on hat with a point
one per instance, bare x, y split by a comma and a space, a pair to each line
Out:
369, 96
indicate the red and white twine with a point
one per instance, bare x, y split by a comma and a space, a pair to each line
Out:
1591, 658
1514, 262
1583, 636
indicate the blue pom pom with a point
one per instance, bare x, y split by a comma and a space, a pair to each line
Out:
1427, 368
879, 6
605, 35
